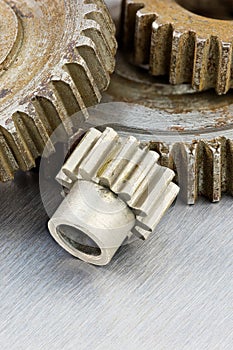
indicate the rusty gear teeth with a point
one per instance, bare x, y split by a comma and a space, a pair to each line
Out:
65, 52
192, 132
178, 43
203, 167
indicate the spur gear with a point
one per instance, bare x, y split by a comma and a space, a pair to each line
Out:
55, 60
187, 47
116, 184
192, 132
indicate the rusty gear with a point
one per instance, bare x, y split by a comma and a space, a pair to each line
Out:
192, 132
187, 47
55, 59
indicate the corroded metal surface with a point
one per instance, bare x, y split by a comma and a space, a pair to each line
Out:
187, 47
192, 132
55, 59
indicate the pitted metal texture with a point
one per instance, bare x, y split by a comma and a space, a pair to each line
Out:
55, 60
192, 132
174, 38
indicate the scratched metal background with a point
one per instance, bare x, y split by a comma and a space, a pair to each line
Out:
174, 291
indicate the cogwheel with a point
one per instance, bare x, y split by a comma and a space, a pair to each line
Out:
187, 47
55, 60
118, 167
192, 132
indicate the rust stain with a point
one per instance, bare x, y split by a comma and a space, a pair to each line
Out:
177, 128
18, 11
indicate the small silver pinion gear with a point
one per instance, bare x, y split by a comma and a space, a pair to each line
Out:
116, 190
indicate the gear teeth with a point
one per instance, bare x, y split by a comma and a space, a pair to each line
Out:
202, 167
161, 43
101, 8
158, 181
127, 173
177, 54
92, 30
140, 195
65, 88
64, 180
90, 93
157, 210
87, 50
89, 58
186, 159
35, 125
61, 93
182, 53
157, 38
224, 68
108, 19
212, 64
130, 9
71, 168
140, 175
211, 182
127, 170
164, 150
102, 150
201, 63
107, 28
108, 176
29, 133
46, 113
8, 164
229, 166
144, 22
20, 149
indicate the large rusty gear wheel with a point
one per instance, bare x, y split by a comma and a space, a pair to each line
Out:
55, 60
192, 132
187, 47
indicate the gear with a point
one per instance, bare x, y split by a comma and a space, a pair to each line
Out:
55, 59
129, 171
187, 47
116, 190
192, 132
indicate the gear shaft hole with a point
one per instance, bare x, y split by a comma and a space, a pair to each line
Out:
216, 9
78, 240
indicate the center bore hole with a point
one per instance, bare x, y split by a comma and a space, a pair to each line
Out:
218, 9
78, 239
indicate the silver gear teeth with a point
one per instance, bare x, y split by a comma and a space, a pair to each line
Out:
89, 58
127, 170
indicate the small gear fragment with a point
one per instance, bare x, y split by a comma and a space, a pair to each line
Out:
116, 189
55, 60
187, 47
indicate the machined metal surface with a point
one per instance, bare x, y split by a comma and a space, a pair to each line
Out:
188, 47
171, 292
192, 132
116, 190
55, 59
